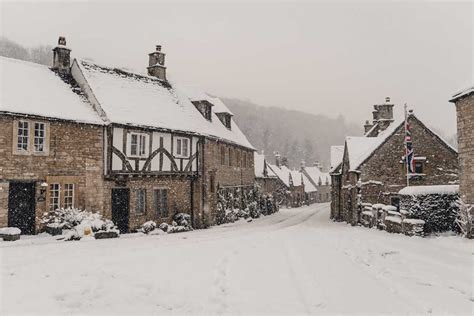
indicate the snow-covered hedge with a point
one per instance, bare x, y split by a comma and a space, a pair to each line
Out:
465, 219
436, 205
76, 223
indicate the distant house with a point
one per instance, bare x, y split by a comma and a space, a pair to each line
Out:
320, 180
134, 147
299, 189
373, 168
266, 179
464, 101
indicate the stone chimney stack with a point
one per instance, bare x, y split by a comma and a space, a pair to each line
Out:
62, 57
303, 165
367, 126
277, 159
385, 114
156, 64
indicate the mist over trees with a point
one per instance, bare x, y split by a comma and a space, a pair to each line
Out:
296, 135
38, 54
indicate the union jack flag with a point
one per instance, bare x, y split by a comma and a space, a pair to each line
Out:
409, 154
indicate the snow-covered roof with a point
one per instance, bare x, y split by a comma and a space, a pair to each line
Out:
361, 148
282, 172
33, 89
430, 189
462, 93
337, 152
308, 185
316, 174
138, 100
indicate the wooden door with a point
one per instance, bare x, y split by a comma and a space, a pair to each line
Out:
121, 208
21, 206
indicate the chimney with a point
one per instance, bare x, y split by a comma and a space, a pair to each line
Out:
385, 114
277, 159
284, 161
61, 57
156, 64
375, 114
367, 126
303, 165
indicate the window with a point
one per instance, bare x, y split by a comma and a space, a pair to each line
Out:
69, 195
244, 159
182, 147
237, 158
23, 136
418, 167
138, 145
54, 196
141, 201
230, 156
160, 202
222, 155
39, 139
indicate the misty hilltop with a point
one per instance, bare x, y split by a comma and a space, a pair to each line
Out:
294, 134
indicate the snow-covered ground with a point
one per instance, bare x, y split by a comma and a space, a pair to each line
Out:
294, 262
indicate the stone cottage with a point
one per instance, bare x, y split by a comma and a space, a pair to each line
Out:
464, 101
51, 143
299, 189
133, 147
320, 180
373, 168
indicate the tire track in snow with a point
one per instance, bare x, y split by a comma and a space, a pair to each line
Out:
220, 290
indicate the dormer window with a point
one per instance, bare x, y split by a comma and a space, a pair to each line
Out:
226, 119
204, 108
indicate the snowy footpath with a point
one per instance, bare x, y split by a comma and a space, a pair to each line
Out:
293, 262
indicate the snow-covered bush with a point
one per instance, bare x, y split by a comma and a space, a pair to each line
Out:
76, 220
437, 210
164, 227
183, 219
464, 219
148, 227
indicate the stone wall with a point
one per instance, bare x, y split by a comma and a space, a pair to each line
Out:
221, 171
465, 120
179, 198
74, 154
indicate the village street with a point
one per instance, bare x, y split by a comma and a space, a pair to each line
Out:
293, 262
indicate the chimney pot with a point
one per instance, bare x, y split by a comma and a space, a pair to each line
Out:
387, 99
62, 57
158, 48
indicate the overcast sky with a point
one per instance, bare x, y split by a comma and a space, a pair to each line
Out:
323, 58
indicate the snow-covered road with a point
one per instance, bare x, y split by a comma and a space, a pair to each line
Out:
294, 262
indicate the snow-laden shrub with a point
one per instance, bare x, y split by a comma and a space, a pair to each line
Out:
464, 219
183, 219
148, 227
76, 220
437, 210
164, 227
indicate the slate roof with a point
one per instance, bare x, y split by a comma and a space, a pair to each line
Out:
138, 100
32, 89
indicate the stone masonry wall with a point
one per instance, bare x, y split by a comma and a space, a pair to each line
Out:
219, 173
179, 198
465, 120
75, 155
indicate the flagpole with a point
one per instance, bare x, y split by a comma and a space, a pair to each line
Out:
406, 147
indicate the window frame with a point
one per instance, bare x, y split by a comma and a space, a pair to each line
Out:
140, 201
182, 147
69, 188
140, 145
160, 202
43, 137
223, 154
54, 196
23, 136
